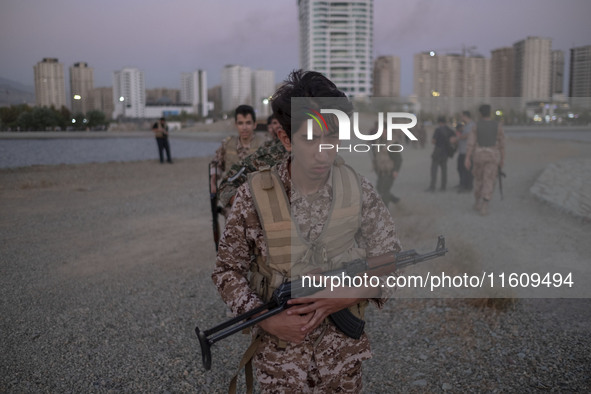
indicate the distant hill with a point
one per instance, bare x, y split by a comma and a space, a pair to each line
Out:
12, 92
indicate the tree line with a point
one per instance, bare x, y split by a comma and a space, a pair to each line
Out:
22, 117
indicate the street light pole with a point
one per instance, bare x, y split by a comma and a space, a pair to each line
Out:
122, 101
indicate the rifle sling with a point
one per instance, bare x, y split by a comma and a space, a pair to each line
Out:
246, 363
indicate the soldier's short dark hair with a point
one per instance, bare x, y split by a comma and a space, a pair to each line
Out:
305, 84
245, 110
441, 119
484, 110
467, 114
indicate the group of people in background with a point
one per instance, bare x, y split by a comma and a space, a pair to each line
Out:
481, 155
480, 148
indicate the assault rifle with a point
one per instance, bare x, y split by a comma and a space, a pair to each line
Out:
213, 201
344, 319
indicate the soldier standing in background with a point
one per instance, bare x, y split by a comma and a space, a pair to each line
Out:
237, 147
486, 153
271, 153
386, 164
464, 173
273, 127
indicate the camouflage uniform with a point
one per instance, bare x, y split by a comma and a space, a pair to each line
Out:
327, 360
220, 160
267, 155
385, 163
486, 159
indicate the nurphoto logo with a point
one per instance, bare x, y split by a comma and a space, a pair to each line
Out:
345, 130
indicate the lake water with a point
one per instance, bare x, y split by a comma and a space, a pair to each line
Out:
26, 152
21, 152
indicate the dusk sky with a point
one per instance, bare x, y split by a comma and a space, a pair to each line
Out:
164, 39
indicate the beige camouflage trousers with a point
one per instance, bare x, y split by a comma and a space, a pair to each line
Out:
485, 169
326, 362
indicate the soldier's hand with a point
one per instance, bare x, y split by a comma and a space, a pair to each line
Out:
287, 326
467, 163
319, 308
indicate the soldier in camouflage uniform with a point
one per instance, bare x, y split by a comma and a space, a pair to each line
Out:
269, 154
236, 148
486, 151
386, 165
273, 127
300, 350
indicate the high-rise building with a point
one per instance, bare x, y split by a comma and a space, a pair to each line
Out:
532, 69
386, 76
194, 91
557, 73
263, 87
81, 84
501, 73
580, 72
451, 75
476, 77
50, 88
129, 93
236, 87
101, 99
437, 75
336, 39
439, 80
214, 95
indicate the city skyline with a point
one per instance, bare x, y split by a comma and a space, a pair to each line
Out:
164, 42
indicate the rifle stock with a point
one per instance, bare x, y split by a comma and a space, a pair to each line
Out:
213, 201
344, 319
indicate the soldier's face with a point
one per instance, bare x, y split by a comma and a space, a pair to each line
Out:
308, 160
274, 127
245, 126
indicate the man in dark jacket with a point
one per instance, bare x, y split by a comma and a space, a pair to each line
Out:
443, 139
160, 130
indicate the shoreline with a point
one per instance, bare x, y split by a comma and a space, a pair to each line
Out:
148, 151
208, 135
223, 129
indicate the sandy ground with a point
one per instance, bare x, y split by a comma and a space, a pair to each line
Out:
86, 249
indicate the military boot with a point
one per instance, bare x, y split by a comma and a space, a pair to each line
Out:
484, 208
477, 204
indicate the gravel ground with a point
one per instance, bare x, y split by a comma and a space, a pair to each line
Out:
105, 271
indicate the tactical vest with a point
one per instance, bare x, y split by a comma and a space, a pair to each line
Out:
231, 145
290, 255
335, 245
486, 133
